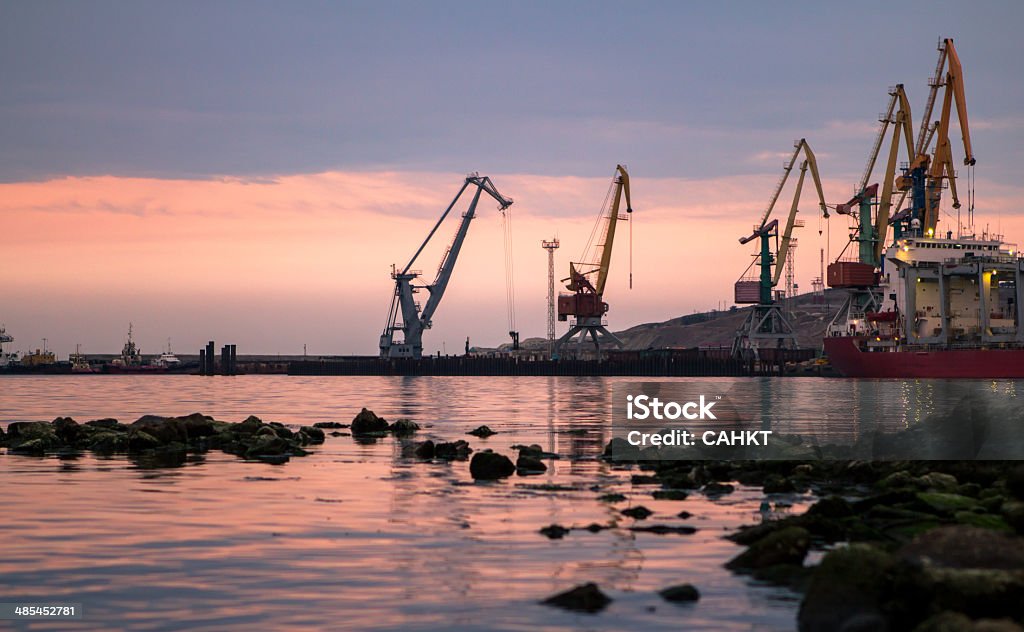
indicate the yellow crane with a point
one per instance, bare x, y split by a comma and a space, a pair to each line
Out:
924, 178
587, 277
766, 327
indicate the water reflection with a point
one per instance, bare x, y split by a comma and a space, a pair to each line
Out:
357, 535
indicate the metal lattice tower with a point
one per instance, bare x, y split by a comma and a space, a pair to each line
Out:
550, 246
791, 276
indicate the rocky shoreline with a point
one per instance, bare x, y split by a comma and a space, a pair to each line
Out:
927, 546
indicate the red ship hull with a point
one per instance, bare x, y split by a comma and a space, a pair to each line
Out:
846, 356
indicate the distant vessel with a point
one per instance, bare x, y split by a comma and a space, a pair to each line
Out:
130, 360
7, 358
80, 363
167, 359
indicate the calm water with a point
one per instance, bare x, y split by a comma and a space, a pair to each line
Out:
357, 536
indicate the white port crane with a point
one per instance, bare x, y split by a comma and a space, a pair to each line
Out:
414, 321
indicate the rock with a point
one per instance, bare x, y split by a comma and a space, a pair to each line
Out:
939, 482
31, 447
662, 529
66, 429
682, 593
454, 450
26, 430
282, 431
424, 450
251, 425
164, 429
611, 498
554, 531
785, 546
776, 484
714, 490
107, 423
644, 479
685, 515
108, 442
139, 440
535, 451
273, 459
966, 547
791, 575
749, 534
945, 504
638, 513
582, 598
983, 520
530, 465
267, 445
1013, 514
670, 494
368, 423
489, 465
329, 425
312, 434
483, 432
834, 507
404, 427
848, 587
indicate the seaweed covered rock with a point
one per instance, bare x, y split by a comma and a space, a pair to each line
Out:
847, 589
311, 434
785, 546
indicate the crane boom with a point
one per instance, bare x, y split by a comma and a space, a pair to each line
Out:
902, 128
621, 189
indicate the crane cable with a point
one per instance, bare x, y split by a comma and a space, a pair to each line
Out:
510, 297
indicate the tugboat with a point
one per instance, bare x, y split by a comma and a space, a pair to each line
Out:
80, 363
130, 360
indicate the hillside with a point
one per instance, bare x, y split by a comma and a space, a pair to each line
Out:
718, 328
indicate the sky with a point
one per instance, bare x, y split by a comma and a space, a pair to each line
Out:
249, 171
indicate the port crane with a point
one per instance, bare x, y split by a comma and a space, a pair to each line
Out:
860, 277
403, 301
587, 277
766, 326
926, 175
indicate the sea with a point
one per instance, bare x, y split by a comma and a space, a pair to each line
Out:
358, 536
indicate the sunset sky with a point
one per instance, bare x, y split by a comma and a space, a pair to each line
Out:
249, 171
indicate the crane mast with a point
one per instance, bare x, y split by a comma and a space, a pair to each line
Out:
587, 278
403, 301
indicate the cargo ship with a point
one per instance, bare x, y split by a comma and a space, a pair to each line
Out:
946, 308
